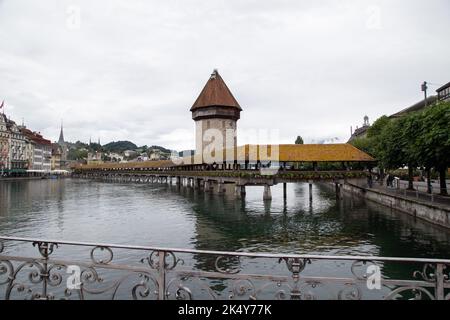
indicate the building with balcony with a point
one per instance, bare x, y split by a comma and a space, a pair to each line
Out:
42, 150
13, 147
4, 144
443, 93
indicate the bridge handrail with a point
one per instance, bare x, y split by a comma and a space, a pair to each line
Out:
230, 253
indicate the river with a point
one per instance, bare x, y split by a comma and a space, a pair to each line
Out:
163, 215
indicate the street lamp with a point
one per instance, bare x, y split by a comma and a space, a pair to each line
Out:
424, 89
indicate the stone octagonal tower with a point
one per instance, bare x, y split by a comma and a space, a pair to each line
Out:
215, 113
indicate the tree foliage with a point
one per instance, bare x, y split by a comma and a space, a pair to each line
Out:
299, 140
77, 154
119, 146
416, 139
365, 144
433, 137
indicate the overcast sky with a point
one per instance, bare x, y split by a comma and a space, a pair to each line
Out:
132, 69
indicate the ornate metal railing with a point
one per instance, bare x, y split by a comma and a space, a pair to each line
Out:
47, 269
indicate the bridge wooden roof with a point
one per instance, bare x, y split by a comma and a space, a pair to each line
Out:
294, 153
215, 93
285, 153
305, 153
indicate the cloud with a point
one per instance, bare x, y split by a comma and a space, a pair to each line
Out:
132, 69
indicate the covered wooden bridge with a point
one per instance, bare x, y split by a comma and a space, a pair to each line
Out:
246, 165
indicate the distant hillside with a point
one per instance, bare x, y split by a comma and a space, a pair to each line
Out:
119, 146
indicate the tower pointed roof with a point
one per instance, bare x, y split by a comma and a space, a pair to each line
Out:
215, 93
61, 135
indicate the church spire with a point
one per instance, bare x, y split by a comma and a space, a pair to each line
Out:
61, 135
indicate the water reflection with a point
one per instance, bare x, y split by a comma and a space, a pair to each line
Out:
165, 215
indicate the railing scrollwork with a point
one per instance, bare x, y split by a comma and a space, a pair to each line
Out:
110, 271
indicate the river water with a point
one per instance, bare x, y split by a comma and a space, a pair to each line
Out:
163, 215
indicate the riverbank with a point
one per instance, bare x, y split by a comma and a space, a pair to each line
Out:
28, 178
435, 213
19, 178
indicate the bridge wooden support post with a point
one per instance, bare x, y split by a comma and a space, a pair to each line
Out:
310, 190
284, 191
196, 183
208, 186
315, 166
267, 195
338, 190
220, 187
239, 191
211, 186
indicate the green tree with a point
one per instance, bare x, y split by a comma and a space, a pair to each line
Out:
95, 147
77, 154
416, 139
299, 140
389, 149
408, 134
365, 144
378, 126
376, 139
433, 140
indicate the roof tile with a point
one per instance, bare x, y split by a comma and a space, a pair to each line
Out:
215, 93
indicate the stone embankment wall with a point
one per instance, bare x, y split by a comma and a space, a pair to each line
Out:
431, 212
